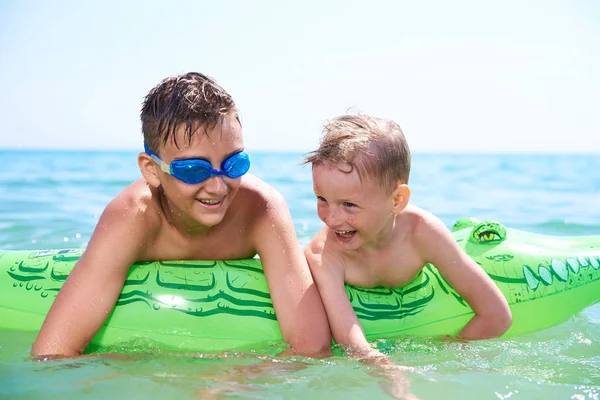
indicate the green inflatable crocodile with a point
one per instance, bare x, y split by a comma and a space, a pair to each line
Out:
225, 305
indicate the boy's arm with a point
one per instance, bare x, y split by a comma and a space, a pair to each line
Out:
294, 294
492, 314
344, 324
329, 277
94, 285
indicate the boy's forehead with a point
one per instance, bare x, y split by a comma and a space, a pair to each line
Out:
339, 175
228, 131
344, 176
350, 168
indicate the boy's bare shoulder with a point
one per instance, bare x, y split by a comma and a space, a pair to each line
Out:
427, 230
137, 204
138, 196
262, 210
260, 197
321, 252
128, 227
419, 220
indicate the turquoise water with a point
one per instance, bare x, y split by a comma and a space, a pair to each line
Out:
52, 199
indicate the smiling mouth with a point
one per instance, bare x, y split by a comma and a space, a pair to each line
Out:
345, 234
211, 202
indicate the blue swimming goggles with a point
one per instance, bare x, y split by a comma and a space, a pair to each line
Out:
196, 170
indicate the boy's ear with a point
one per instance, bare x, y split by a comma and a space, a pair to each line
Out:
400, 197
148, 169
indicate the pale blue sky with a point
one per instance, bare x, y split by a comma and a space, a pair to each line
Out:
456, 75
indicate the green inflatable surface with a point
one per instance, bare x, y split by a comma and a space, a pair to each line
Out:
225, 305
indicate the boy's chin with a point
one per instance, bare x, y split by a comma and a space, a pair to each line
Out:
211, 215
211, 220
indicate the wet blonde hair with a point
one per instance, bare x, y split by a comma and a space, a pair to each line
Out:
375, 147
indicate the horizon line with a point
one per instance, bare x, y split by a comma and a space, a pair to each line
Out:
524, 152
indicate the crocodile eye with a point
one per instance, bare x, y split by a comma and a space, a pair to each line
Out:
488, 232
488, 236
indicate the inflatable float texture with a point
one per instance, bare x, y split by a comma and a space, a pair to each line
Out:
225, 305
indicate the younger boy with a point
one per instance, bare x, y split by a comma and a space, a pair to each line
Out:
373, 238
194, 202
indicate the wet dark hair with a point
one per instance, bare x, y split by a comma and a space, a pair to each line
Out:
375, 147
193, 100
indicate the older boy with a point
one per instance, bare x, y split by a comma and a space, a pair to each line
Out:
195, 202
373, 238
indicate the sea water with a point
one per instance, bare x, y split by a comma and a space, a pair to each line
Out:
53, 199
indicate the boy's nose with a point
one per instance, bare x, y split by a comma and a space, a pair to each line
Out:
332, 218
216, 185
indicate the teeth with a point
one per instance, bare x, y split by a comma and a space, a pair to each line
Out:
211, 202
344, 233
